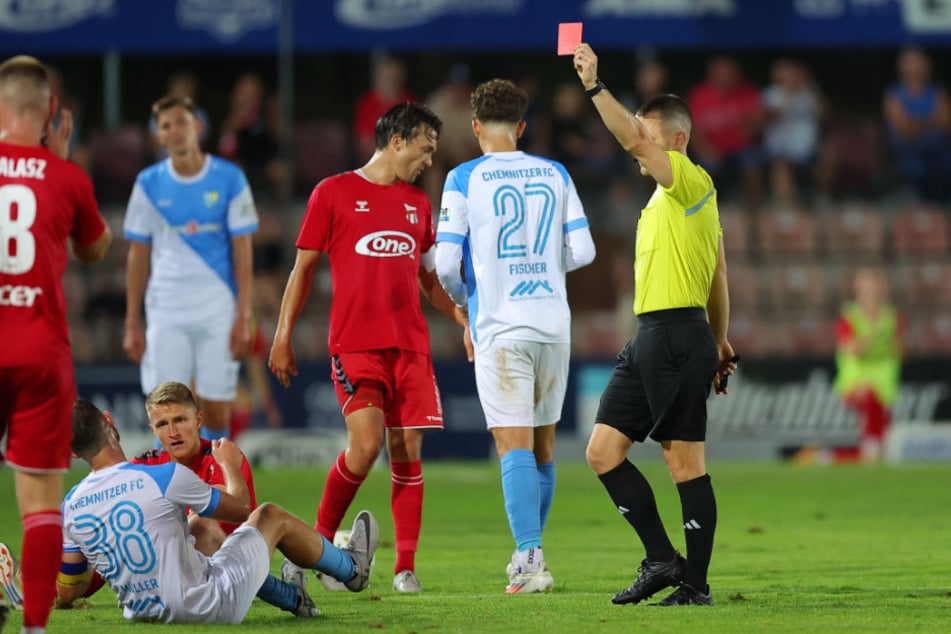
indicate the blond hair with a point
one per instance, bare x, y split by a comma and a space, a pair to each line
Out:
24, 84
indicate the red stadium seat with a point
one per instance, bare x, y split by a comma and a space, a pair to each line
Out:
921, 230
786, 230
744, 287
737, 226
800, 287
855, 230
805, 336
924, 285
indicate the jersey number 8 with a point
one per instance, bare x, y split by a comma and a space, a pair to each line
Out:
17, 244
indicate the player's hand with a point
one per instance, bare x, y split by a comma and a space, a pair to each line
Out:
467, 342
226, 453
133, 343
727, 367
586, 64
240, 341
57, 140
282, 362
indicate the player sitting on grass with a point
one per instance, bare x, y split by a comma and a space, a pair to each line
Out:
175, 419
129, 522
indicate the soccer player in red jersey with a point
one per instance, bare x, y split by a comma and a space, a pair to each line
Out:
45, 202
377, 231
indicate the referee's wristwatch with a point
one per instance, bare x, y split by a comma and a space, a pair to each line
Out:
598, 87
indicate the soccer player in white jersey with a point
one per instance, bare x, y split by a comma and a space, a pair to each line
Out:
189, 222
129, 522
514, 222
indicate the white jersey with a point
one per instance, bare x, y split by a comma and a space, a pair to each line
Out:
516, 223
129, 521
190, 221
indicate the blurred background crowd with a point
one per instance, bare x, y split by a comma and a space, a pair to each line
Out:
825, 161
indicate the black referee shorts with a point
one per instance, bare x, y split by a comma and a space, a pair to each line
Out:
663, 378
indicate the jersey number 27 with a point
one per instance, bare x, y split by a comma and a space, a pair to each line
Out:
512, 242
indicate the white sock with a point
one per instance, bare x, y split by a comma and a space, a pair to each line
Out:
531, 560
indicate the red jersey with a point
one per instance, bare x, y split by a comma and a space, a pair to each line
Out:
374, 236
43, 201
207, 468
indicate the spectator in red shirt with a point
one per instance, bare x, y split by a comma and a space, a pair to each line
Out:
389, 89
727, 120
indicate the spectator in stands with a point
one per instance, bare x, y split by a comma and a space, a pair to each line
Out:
649, 82
250, 135
457, 143
181, 84
389, 89
727, 122
793, 108
918, 120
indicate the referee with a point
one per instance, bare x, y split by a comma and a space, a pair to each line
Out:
663, 375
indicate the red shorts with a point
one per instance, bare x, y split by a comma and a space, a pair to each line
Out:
410, 395
36, 415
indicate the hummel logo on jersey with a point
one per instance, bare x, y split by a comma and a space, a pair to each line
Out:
411, 214
692, 525
362, 206
528, 287
623, 510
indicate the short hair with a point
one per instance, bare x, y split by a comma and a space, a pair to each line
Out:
674, 113
407, 120
171, 101
24, 83
498, 100
171, 393
90, 433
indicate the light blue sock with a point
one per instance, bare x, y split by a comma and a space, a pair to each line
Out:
335, 562
279, 593
520, 490
546, 490
211, 434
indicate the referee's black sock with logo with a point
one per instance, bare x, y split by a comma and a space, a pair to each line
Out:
632, 494
700, 522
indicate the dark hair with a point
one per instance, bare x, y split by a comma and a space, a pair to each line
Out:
171, 101
407, 120
171, 393
90, 433
673, 111
499, 100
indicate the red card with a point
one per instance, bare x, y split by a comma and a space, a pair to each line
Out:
569, 36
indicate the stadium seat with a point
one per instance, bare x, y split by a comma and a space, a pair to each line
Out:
851, 158
923, 285
744, 287
786, 230
750, 336
855, 230
321, 149
594, 334
921, 230
117, 158
737, 226
805, 336
928, 335
799, 287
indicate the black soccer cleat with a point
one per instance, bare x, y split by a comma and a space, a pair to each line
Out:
686, 594
652, 576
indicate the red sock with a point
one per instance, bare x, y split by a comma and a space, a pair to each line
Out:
42, 555
876, 418
339, 490
407, 505
96, 582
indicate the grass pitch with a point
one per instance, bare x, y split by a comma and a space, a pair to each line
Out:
834, 549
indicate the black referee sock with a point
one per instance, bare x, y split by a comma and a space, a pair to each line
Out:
632, 494
700, 522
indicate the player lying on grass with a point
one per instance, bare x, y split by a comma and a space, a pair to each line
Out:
175, 419
129, 522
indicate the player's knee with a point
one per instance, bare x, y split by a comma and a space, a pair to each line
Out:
599, 459
207, 533
364, 452
267, 513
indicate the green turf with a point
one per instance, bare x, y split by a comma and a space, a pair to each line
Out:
834, 549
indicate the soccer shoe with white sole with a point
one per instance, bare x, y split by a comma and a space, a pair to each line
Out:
530, 582
10, 578
686, 594
652, 576
294, 575
364, 540
406, 581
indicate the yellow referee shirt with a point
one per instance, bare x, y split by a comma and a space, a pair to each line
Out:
677, 240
